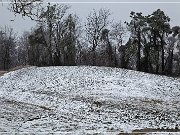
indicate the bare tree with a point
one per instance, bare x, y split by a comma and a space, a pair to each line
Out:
55, 37
7, 48
118, 34
27, 8
52, 23
23, 49
96, 22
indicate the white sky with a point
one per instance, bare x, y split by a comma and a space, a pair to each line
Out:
120, 11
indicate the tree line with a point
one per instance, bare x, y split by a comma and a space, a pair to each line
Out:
146, 43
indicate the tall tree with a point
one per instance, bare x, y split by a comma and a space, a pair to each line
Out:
174, 47
70, 40
109, 50
160, 27
7, 48
52, 23
96, 22
117, 35
136, 26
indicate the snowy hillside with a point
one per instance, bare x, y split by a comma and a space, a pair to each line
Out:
87, 100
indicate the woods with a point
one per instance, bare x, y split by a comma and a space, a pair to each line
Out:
146, 43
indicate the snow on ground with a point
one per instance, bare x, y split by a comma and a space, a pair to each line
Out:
86, 99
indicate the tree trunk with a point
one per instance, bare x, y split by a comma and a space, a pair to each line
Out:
115, 59
110, 55
139, 52
94, 55
162, 55
157, 61
156, 46
170, 63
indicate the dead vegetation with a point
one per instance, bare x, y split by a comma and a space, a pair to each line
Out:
18, 67
149, 130
2, 72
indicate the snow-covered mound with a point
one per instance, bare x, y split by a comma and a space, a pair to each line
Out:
87, 100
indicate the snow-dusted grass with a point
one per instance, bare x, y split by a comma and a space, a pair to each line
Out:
87, 100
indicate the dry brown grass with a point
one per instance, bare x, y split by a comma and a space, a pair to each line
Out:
2, 72
131, 133
27, 104
149, 130
19, 67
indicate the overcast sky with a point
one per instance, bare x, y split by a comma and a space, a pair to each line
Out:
120, 11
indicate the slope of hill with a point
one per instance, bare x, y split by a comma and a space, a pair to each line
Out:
87, 100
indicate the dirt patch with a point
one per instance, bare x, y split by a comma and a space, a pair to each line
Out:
149, 130
131, 133
27, 104
152, 101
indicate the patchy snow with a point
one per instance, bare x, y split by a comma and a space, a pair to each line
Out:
85, 99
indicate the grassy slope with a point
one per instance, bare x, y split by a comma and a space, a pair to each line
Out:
87, 99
